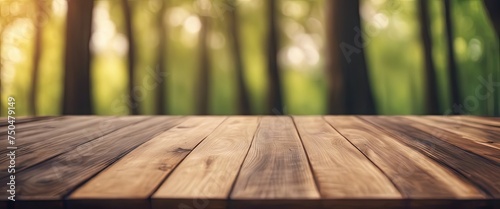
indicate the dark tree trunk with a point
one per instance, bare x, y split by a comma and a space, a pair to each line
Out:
37, 51
452, 66
432, 99
77, 84
204, 84
275, 93
161, 94
234, 33
492, 7
335, 76
349, 90
127, 12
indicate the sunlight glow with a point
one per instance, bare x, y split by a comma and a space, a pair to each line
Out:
475, 49
15, 37
192, 24
119, 44
14, 54
296, 9
59, 7
177, 16
105, 36
380, 20
295, 55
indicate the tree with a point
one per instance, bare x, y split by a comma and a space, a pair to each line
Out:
349, 90
243, 98
41, 12
161, 103
204, 84
452, 66
275, 93
492, 7
77, 84
432, 99
127, 12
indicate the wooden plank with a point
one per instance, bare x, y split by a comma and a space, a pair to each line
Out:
473, 145
341, 170
24, 119
37, 148
31, 125
418, 178
474, 121
33, 131
276, 166
138, 174
210, 170
489, 121
54, 178
483, 173
479, 133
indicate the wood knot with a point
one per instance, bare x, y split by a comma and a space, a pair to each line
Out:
181, 150
164, 167
47, 179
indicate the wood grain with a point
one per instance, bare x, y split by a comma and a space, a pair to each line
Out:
210, 170
474, 121
489, 121
43, 128
237, 162
341, 170
147, 165
473, 145
415, 175
276, 166
478, 170
24, 119
479, 133
64, 137
54, 178
33, 124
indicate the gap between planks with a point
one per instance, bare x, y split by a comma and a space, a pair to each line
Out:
149, 165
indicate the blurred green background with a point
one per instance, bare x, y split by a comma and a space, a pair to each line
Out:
394, 54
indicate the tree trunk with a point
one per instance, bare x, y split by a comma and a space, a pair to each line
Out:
275, 93
452, 66
161, 103
349, 90
37, 51
243, 98
432, 99
127, 12
204, 84
77, 84
335, 76
492, 7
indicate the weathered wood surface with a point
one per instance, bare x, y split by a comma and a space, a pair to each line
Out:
341, 162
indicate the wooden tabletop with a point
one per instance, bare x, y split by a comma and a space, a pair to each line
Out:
204, 162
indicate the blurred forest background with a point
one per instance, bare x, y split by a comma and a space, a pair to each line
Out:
250, 57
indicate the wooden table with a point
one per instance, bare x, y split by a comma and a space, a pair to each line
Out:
254, 162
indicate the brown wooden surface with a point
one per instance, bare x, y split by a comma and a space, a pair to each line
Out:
148, 164
341, 170
339, 162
